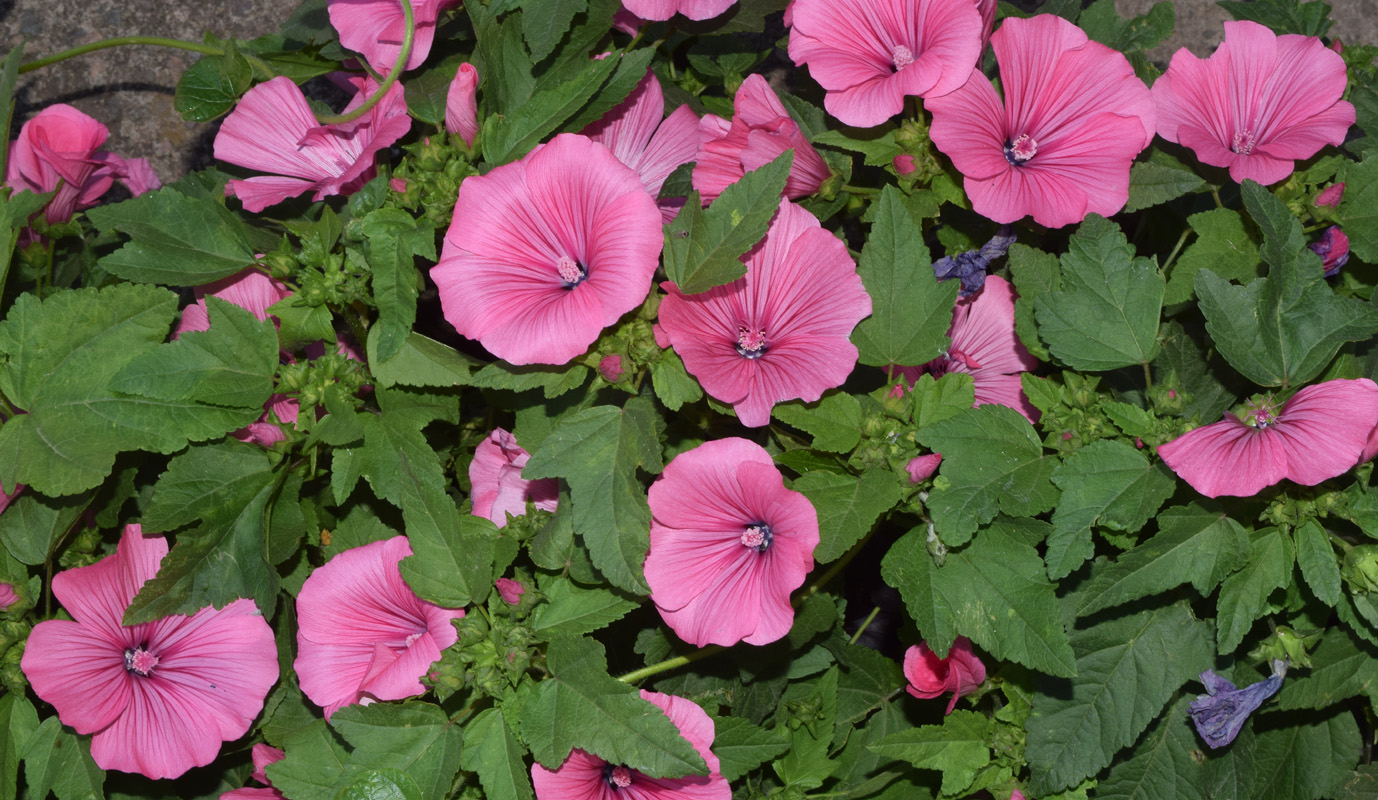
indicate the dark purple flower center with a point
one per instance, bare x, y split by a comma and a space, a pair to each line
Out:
901, 57
617, 776
751, 341
1021, 149
571, 272
1243, 142
757, 536
139, 660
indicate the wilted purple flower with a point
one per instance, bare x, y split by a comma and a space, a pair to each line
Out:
1220, 714
1333, 248
970, 267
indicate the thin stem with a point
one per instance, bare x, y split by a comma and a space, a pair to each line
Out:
1181, 240
866, 623
1148, 376
859, 189
120, 41
1215, 193
397, 68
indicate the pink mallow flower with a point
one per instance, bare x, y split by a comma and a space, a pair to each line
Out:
760, 130
263, 755
1060, 145
642, 137
664, 9
729, 543
585, 776
461, 104
1319, 433
1259, 103
274, 130
495, 472
363, 634
984, 346
781, 332
546, 252
160, 697
374, 29
929, 676
871, 54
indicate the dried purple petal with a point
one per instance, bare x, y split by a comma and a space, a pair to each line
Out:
970, 267
1220, 715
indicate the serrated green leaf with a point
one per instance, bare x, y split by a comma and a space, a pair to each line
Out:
957, 748
1300, 755
1342, 666
1222, 245
420, 361
1199, 378
378, 784
1309, 18
672, 382
742, 747
807, 764
1316, 557
16, 209
1151, 184
834, 421
631, 68
211, 87
57, 761
313, 765
1361, 784
572, 610
868, 681
879, 151
1143, 32
529, 122
176, 239
32, 524
544, 26
848, 506
1162, 763
427, 90
1244, 594
205, 480
1359, 210
1035, 273
1130, 419
18, 722
944, 398
415, 739
394, 239
552, 381
491, 751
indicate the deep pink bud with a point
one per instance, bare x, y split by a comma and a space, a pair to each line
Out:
904, 164
922, 468
8, 596
461, 104
398, 185
1337, 46
1333, 248
929, 676
510, 590
1330, 196
611, 368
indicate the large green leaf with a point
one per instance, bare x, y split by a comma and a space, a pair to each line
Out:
571, 609
395, 239
1244, 594
175, 239
18, 722
413, 737
1359, 211
1162, 763
742, 747
1222, 245
957, 748
491, 751
58, 761
848, 506
1342, 666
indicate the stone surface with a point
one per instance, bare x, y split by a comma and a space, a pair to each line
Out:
1199, 24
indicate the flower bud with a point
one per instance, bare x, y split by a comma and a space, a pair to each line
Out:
1360, 568
1330, 196
904, 164
1333, 248
922, 468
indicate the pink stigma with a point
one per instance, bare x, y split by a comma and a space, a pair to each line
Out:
902, 57
413, 637
753, 537
569, 269
1022, 149
1261, 414
958, 355
751, 342
1243, 142
621, 777
140, 660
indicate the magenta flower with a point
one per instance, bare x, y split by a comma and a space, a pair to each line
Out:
461, 104
664, 9
274, 130
8, 497
729, 543
1059, 147
546, 252
251, 289
263, 755
760, 130
363, 634
1319, 433
160, 697
871, 54
929, 676
1259, 103
374, 29
781, 331
985, 346
642, 137
495, 473
585, 776
1333, 248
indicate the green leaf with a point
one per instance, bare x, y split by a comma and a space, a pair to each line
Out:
313, 765
1197, 376
992, 461
503, 64
379, 784
1342, 666
597, 451
175, 239
806, 765
1108, 484
910, 310
552, 381
32, 524
1244, 594
413, 738
211, 87
1359, 211
57, 761
1143, 32
18, 722
1106, 313
868, 681
1361, 784
834, 421
879, 151
703, 247
420, 361
1194, 544
1281, 330
848, 506
491, 751
631, 68
1162, 763
205, 480
1151, 183
1316, 557
1283, 16
528, 123
957, 748
395, 238
572, 610
944, 398
1127, 670
1302, 755
995, 591
580, 705
1222, 245
1035, 273
427, 90
742, 747
16, 209
672, 383
545, 25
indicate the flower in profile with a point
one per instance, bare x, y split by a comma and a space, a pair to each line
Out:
585, 776
729, 543
1060, 145
778, 333
871, 54
921, 468
664, 9
461, 104
1333, 248
642, 137
374, 29
1220, 713
363, 634
495, 472
929, 676
160, 697
1259, 103
970, 267
760, 130
263, 755
272, 129
984, 346
1317, 434
546, 252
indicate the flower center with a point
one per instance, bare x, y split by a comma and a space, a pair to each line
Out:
618, 777
1261, 414
1021, 149
1243, 142
757, 536
751, 342
902, 57
140, 661
571, 272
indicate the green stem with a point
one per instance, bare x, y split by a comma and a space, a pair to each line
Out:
859, 189
866, 623
1148, 376
1181, 240
397, 68
120, 41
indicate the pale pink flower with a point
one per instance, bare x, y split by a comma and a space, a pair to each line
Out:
546, 252
1330, 196
374, 29
642, 137
1060, 145
363, 634
461, 104
8, 596
1259, 103
251, 289
1319, 433
729, 543
778, 333
921, 468
160, 697
760, 130
495, 473
263, 755
871, 54
274, 130
664, 9
585, 776
510, 591
929, 676
985, 346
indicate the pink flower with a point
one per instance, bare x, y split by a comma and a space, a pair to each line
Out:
638, 133
251, 289
461, 104
871, 54
1060, 146
985, 346
1319, 433
8, 596
161, 696
1333, 248
274, 130
374, 28
987, 10
511, 591
610, 368
921, 468
1330, 196
664, 9
1259, 103
8, 497
263, 755
585, 776
929, 676
363, 634
729, 543
904, 164
495, 472
761, 129
781, 331
546, 252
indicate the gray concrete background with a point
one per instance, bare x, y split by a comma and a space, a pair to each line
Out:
130, 89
